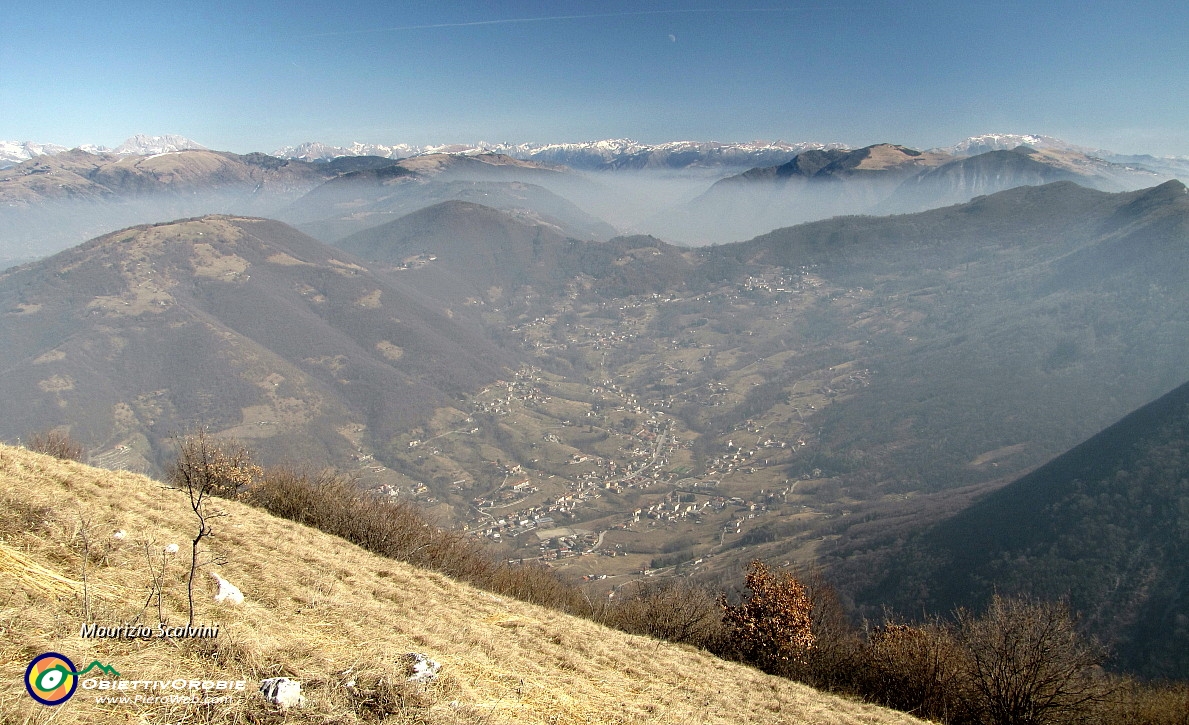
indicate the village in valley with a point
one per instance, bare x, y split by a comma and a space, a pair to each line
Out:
625, 451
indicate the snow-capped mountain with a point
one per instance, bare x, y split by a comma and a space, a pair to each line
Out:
606, 154
14, 152
624, 153
976, 145
142, 145
317, 151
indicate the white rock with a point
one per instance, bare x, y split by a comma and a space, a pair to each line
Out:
228, 593
424, 669
282, 691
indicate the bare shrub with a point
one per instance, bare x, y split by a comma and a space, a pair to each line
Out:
920, 669
675, 610
57, 444
396, 529
1027, 663
1135, 703
213, 466
837, 653
539, 585
334, 504
773, 627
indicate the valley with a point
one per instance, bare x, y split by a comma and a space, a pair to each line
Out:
625, 461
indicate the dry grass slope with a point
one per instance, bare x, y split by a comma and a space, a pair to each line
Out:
327, 613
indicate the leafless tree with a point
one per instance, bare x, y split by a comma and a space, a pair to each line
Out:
206, 467
1028, 663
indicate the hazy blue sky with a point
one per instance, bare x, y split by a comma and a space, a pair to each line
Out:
929, 73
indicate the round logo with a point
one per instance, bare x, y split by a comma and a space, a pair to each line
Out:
50, 678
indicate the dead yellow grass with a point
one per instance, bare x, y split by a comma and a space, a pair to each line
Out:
333, 616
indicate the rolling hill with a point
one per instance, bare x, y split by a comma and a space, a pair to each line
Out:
486, 249
1019, 305
244, 325
881, 179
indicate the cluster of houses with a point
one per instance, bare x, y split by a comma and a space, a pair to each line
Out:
564, 547
775, 282
521, 389
511, 526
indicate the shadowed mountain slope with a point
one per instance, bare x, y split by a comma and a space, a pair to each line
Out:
1105, 525
877, 160
244, 325
1024, 303
987, 173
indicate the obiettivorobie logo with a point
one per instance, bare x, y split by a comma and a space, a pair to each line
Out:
51, 678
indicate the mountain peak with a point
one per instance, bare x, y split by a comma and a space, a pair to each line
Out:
983, 143
143, 145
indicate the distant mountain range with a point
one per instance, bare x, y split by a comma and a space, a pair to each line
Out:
51, 202
885, 179
612, 154
368, 197
607, 154
685, 192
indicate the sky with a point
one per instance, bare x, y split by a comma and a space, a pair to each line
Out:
256, 76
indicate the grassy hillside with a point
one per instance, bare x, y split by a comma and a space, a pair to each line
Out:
330, 615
